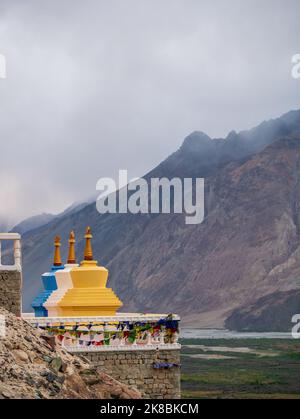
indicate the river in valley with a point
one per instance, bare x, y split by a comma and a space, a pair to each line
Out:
226, 334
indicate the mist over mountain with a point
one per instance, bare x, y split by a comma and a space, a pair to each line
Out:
201, 155
246, 248
40, 220
32, 222
4, 224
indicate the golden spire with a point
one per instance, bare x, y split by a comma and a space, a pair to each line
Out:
88, 252
72, 257
57, 258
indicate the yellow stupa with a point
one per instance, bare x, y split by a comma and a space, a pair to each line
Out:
89, 295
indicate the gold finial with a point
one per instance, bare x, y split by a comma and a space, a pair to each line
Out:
88, 252
57, 257
72, 257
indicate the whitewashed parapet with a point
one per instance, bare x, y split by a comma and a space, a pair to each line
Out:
123, 348
132, 317
17, 265
123, 332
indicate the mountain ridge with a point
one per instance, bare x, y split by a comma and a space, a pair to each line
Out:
157, 263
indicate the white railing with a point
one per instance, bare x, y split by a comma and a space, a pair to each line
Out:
120, 348
123, 332
131, 317
17, 265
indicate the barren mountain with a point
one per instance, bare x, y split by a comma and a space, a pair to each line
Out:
247, 247
33, 222
272, 313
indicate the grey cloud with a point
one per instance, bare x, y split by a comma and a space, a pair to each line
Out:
97, 86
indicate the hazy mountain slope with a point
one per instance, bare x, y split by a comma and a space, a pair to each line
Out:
200, 155
40, 220
158, 263
270, 313
32, 222
251, 229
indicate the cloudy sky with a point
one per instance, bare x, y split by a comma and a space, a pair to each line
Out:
97, 86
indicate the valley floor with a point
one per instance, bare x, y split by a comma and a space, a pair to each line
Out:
240, 368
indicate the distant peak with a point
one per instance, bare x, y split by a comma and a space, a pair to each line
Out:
291, 117
232, 135
197, 136
198, 140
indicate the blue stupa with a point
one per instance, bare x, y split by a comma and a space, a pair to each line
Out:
49, 283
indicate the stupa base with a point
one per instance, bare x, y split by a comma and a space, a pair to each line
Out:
85, 311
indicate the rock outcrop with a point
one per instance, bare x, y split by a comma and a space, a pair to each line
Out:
272, 313
31, 368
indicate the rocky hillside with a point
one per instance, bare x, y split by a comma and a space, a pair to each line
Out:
247, 247
31, 369
272, 313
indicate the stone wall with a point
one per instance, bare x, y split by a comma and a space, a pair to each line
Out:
10, 291
135, 369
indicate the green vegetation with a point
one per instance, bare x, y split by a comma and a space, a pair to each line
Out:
250, 368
